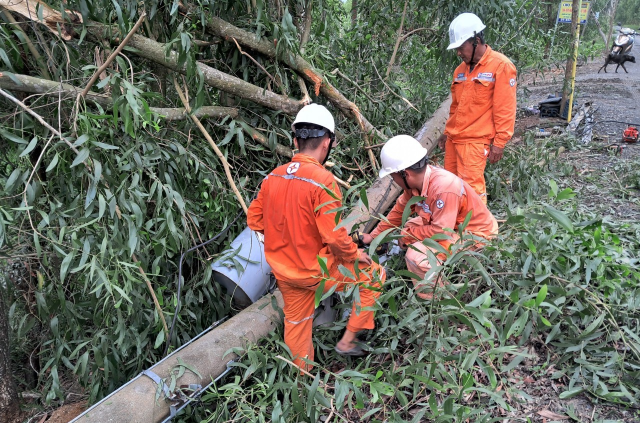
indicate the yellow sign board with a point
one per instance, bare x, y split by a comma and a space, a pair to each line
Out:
564, 12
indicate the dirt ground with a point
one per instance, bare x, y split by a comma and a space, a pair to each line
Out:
606, 174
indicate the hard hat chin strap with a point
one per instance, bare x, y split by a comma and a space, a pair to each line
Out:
332, 138
403, 175
472, 64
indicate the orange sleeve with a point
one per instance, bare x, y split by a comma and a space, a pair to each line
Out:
395, 215
444, 212
338, 240
504, 104
254, 213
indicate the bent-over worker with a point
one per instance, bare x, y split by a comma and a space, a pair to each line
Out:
447, 201
483, 107
293, 211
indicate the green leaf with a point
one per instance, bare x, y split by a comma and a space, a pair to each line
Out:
11, 137
81, 140
81, 157
377, 240
64, 266
319, 292
104, 146
480, 299
53, 163
542, 294
407, 209
560, 217
571, 393
159, 340
363, 197
30, 147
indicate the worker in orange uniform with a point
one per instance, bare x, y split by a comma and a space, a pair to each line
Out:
447, 200
293, 211
483, 106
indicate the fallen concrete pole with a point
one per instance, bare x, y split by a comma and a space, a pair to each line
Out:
136, 401
383, 193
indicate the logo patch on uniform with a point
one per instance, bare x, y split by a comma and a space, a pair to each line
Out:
293, 168
460, 75
424, 206
439, 204
485, 75
512, 82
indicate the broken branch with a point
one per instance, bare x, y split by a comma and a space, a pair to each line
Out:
30, 84
260, 66
113, 55
213, 145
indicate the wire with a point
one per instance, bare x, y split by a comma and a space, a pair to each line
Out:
175, 313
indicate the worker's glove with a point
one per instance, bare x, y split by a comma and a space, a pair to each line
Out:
357, 238
382, 249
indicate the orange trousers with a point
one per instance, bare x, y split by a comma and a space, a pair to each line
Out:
299, 307
468, 161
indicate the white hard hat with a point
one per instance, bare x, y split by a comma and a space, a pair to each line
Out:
316, 114
463, 27
399, 153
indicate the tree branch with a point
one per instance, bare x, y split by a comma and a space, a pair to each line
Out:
30, 84
410, 33
113, 55
213, 145
154, 51
398, 39
227, 31
260, 66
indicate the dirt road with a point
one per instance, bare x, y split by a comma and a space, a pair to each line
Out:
606, 170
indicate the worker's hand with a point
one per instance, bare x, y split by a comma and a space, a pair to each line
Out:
366, 239
495, 154
442, 141
364, 258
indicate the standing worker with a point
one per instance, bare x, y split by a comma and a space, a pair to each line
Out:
447, 201
483, 106
293, 211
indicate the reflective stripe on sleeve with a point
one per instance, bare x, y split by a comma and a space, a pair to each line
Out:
300, 321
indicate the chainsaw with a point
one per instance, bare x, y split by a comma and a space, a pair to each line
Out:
630, 135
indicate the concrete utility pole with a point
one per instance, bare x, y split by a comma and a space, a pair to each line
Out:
570, 70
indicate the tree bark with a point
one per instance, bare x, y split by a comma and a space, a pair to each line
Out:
155, 51
9, 405
29, 84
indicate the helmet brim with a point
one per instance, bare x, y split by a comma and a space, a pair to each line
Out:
383, 172
456, 44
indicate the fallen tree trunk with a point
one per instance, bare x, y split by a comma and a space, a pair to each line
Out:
30, 84
155, 51
208, 355
229, 32
383, 193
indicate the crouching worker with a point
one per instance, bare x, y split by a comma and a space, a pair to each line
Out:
292, 210
447, 201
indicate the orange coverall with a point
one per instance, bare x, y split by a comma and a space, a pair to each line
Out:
291, 210
448, 200
483, 112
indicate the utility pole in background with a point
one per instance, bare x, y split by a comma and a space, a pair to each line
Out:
570, 70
